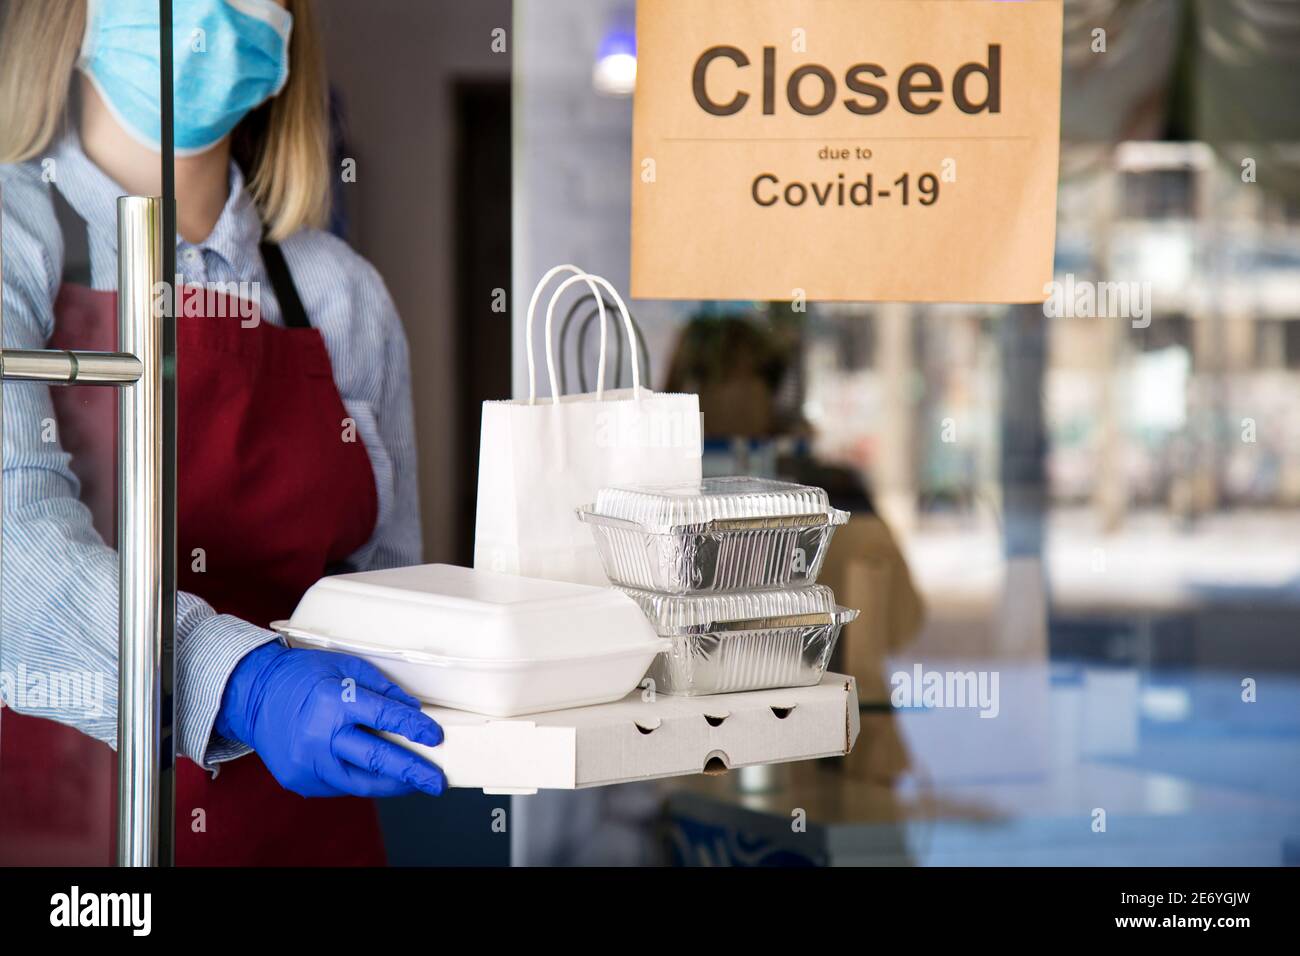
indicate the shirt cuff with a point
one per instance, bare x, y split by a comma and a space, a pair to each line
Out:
204, 661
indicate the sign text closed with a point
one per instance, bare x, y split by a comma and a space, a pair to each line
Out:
897, 150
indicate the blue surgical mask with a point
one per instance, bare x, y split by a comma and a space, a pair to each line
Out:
230, 57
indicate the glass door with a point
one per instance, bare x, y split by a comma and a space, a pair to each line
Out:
83, 124
338, 252
1083, 516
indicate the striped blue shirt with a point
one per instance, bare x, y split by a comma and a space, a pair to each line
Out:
58, 645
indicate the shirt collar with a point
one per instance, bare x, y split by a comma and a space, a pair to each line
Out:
93, 194
86, 187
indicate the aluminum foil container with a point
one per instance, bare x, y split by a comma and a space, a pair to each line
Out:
754, 640
719, 534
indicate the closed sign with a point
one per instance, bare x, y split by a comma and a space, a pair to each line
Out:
895, 150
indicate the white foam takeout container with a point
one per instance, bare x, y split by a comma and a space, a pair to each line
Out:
494, 644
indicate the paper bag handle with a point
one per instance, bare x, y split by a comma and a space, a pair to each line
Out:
627, 325
528, 331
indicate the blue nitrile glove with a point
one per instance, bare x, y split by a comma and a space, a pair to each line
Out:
308, 722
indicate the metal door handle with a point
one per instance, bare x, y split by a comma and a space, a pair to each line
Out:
144, 717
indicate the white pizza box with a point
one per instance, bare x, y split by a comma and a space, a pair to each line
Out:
643, 737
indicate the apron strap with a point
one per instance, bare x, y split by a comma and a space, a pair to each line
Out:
76, 261
76, 240
286, 292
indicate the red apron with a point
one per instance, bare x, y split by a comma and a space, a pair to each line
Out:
273, 495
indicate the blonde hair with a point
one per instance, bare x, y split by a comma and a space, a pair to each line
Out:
282, 146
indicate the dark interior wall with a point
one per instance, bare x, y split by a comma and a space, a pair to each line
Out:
422, 90
396, 66
483, 233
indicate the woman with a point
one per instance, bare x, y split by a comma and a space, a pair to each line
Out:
295, 451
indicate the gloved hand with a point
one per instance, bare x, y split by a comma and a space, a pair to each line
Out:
294, 708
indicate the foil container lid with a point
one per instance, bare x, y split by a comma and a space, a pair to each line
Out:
712, 499
740, 610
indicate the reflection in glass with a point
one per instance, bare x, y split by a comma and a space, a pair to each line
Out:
1093, 503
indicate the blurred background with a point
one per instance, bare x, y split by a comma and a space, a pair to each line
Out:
1103, 512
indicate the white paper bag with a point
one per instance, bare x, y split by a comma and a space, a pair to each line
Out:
540, 460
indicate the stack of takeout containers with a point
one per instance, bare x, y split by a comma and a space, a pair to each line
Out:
725, 569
